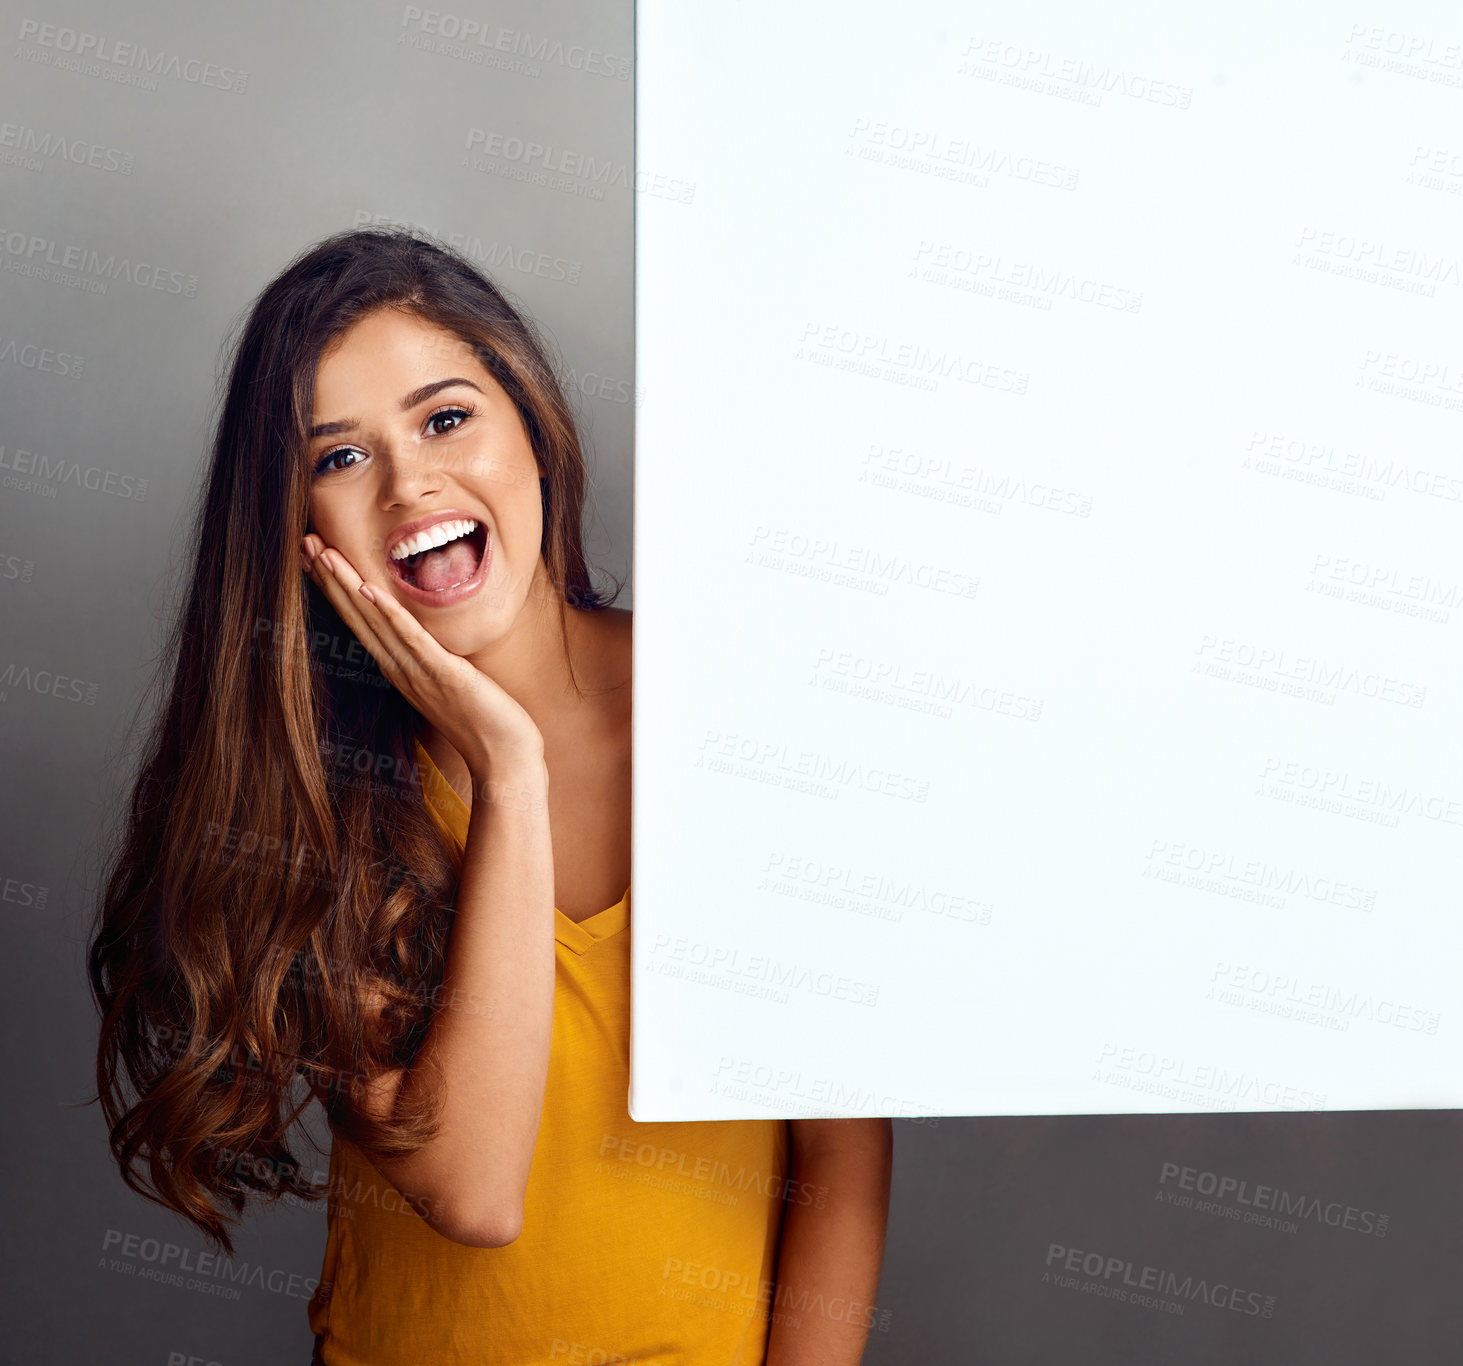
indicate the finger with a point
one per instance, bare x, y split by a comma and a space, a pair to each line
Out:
411, 648
346, 598
396, 633
420, 652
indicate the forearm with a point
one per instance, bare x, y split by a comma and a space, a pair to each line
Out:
488, 1044
830, 1257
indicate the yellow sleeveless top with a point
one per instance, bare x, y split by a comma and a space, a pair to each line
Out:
653, 1243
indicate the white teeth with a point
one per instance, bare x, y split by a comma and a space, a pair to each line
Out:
433, 536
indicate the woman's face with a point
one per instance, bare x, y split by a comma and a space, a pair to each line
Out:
415, 427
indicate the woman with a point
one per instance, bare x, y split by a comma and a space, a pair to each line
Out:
348, 877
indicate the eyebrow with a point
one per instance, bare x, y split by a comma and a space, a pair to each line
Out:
409, 402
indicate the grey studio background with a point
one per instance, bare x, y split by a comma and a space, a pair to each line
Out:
264, 128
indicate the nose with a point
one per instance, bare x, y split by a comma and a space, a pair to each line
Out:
410, 474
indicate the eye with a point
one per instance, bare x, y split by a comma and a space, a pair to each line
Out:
320, 464
457, 412
454, 410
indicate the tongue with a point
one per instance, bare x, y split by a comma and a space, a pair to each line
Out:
446, 565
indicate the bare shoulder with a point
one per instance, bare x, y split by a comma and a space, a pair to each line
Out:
621, 666
602, 652
616, 636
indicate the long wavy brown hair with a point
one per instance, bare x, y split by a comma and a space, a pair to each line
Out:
278, 899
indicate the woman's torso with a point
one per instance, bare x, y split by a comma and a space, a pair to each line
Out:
642, 1242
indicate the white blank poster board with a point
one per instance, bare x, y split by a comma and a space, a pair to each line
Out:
1048, 560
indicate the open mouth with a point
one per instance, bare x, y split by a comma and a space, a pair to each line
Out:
445, 566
